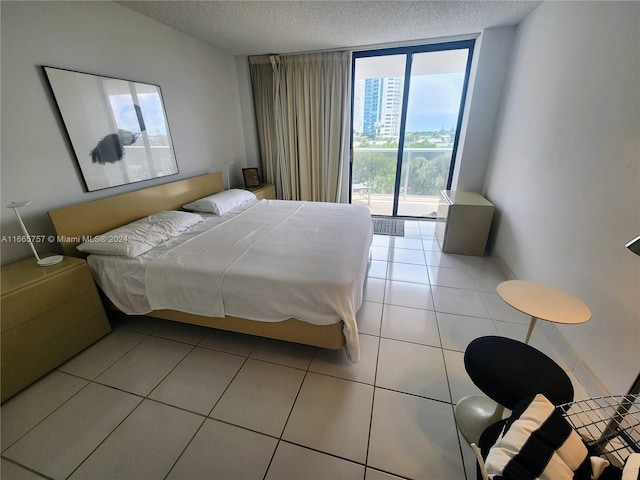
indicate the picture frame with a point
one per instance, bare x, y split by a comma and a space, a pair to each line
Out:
251, 177
117, 128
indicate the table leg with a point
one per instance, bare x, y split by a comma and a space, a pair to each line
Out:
531, 325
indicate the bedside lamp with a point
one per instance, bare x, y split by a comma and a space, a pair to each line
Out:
229, 165
43, 262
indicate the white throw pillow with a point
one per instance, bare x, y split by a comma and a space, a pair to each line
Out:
140, 236
538, 442
221, 203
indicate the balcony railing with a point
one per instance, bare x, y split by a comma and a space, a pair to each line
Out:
424, 174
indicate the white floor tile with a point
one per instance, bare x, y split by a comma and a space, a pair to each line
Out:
438, 259
460, 383
459, 301
406, 272
430, 244
414, 437
405, 242
61, 442
372, 474
332, 415
377, 269
15, 472
144, 367
96, 359
295, 462
456, 331
224, 451
24, 411
517, 331
283, 353
194, 385
486, 279
144, 446
379, 252
410, 324
182, 332
412, 368
336, 364
374, 290
404, 255
260, 397
380, 240
405, 294
500, 310
369, 318
450, 277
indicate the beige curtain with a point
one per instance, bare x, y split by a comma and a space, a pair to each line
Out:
302, 115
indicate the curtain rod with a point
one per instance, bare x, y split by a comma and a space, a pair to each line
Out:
378, 46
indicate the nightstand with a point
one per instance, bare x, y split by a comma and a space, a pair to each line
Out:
49, 314
266, 191
463, 223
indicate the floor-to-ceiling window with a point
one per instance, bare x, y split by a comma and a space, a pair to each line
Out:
407, 111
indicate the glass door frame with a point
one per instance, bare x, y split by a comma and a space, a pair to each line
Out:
409, 51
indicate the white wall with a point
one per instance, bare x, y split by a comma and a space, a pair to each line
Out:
491, 57
565, 172
199, 86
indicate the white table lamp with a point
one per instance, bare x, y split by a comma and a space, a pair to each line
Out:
43, 262
230, 164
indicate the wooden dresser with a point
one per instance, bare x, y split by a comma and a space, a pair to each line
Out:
48, 314
264, 192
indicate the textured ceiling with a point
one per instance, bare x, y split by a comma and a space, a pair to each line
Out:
258, 27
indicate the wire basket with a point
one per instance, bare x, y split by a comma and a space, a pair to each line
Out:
609, 425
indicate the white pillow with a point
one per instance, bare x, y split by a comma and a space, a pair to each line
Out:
631, 469
175, 222
221, 203
538, 442
140, 236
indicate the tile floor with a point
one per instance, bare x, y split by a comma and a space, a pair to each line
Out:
157, 399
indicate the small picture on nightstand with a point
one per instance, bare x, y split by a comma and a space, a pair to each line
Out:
251, 177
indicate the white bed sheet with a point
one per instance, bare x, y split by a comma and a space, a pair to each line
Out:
304, 265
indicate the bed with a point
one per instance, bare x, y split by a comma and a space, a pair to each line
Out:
310, 295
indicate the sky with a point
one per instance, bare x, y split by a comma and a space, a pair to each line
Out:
434, 101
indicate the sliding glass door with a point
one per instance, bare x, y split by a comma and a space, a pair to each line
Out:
407, 110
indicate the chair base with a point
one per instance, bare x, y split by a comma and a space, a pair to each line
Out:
474, 414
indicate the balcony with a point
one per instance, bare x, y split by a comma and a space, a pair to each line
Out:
424, 174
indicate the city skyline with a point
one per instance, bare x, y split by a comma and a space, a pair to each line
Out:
434, 103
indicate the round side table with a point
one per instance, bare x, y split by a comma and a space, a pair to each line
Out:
543, 302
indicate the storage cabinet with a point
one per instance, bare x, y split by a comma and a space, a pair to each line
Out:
48, 315
463, 222
264, 192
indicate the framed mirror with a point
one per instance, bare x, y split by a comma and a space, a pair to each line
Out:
117, 128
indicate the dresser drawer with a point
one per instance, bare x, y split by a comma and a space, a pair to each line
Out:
29, 302
49, 314
41, 361
38, 331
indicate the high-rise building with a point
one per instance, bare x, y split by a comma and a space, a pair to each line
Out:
378, 107
372, 106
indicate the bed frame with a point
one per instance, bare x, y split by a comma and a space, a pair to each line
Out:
98, 216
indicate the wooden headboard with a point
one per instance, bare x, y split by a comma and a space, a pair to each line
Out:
75, 223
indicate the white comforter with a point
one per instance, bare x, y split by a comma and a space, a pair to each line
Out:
275, 260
